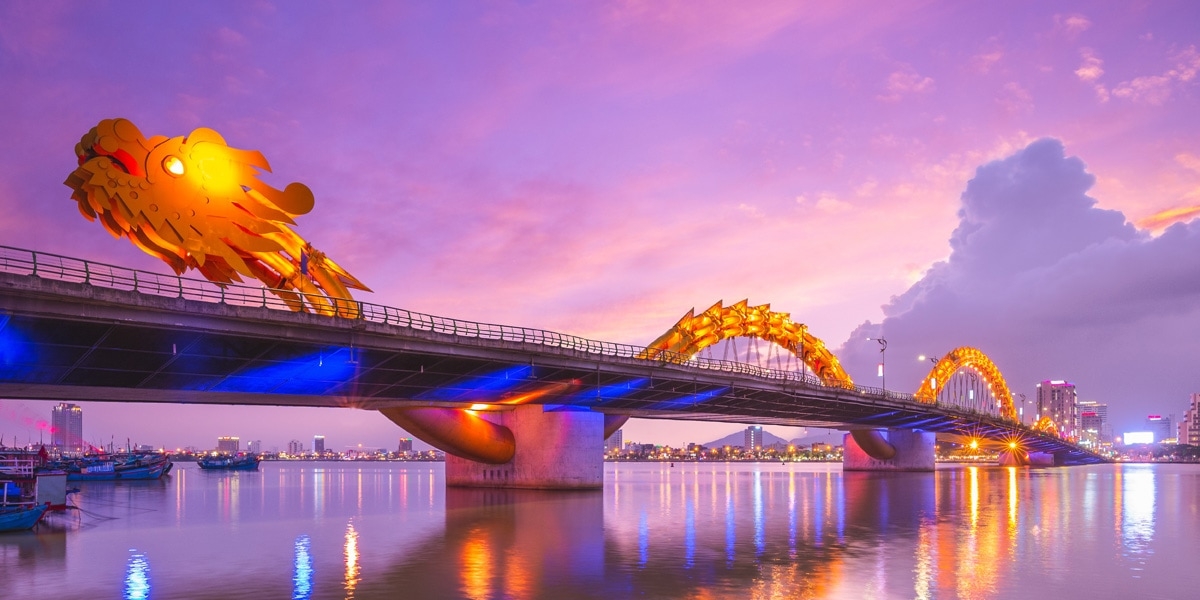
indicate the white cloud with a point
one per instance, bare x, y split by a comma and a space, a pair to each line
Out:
1072, 25
1157, 89
1092, 67
904, 82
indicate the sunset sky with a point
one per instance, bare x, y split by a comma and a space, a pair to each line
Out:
1021, 176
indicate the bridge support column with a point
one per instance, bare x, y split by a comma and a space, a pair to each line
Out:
911, 450
554, 450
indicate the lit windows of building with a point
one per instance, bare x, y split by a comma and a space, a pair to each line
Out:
754, 438
613, 443
1058, 400
228, 444
1161, 427
66, 428
1189, 427
318, 444
405, 445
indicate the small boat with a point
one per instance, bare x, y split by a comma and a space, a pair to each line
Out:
241, 462
19, 517
130, 467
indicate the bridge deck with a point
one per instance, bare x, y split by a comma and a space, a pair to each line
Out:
66, 340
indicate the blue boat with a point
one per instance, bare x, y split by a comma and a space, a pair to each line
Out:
132, 467
19, 517
243, 462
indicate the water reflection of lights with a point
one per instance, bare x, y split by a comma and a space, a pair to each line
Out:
137, 577
302, 575
689, 540
477, 565
643, 539
1137, 515
759, 533
351, 551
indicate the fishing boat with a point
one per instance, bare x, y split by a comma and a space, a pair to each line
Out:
123, 467
240, 462
19, 517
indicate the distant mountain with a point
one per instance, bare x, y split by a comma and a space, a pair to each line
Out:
739, 439
811, 436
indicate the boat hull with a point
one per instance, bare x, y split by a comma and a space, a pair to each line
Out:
14, 518
132, 474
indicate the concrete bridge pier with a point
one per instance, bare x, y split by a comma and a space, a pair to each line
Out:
888, 450
561, 449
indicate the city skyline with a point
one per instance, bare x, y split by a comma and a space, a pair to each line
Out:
1027, 184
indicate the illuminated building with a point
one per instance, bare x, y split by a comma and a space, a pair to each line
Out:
1160, 426
66, 428
295, 447
228, 444
754, 437
1093, 423
254, 446
1058, 400
613, 443
319, 444
1189, 427
405, 445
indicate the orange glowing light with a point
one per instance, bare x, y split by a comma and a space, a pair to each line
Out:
480, 407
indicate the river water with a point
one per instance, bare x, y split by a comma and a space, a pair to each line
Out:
744, 530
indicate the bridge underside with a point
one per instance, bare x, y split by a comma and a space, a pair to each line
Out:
65, 341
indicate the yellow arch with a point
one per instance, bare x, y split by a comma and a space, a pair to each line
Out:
695, 332
1046, 425
980, 363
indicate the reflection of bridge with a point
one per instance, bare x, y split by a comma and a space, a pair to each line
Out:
73, 330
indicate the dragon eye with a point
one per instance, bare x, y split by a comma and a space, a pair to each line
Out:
173, 165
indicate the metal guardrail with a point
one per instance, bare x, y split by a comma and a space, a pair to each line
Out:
63, 268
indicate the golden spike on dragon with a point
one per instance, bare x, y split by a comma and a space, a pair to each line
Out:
197, 203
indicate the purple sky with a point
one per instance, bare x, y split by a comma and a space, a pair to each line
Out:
600, 170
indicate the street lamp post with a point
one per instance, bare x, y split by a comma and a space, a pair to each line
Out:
882, 363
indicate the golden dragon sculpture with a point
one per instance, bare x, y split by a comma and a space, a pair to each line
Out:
197, 203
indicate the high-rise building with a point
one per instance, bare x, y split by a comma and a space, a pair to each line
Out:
295, 448
228, 444
1058, 400
254, 446
1160, 426
754, 438
1189, 427
613, 443
66, 428
319, 444
1093, 423
405, 445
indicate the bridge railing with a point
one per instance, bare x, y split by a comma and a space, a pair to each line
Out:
63, 268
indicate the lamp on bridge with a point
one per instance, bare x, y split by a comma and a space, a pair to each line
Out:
882, 362
934, 360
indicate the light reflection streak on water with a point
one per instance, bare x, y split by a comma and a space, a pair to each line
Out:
689, 535
360, 496
319, 491
404, 489
759, 533
137, 576
351, 552
730, 533
643, 539
840, 508
431, 485
973, 477
1012, 502
180, 479
792, 514
1137, 515
925, 560
818, 513
302, 574
477, 567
